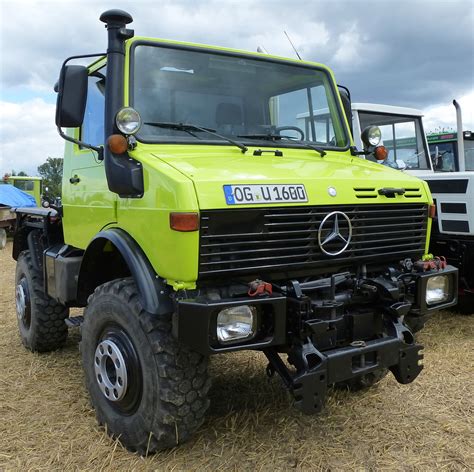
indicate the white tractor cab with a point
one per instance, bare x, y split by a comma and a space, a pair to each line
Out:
453, 191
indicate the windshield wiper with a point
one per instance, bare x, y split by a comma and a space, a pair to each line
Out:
189, 128
276, 137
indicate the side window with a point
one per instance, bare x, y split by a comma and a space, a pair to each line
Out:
92, 131
25, 185
469, 154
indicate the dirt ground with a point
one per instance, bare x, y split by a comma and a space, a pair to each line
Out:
46, 422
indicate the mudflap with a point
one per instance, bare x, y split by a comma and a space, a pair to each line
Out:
316, 371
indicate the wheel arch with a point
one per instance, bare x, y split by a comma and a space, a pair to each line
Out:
113, 254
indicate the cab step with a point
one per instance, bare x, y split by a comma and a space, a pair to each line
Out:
74, 322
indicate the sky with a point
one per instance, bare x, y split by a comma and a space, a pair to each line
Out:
416, 53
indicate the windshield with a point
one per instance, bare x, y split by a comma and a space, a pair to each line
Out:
444, 155
402, 136
250, 100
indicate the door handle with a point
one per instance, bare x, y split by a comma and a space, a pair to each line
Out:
74, 180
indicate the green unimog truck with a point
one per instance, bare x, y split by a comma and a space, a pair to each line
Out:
198, 219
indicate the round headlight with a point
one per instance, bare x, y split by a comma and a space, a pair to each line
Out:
371, 136
128, 120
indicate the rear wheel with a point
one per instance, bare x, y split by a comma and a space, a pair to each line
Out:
149, 391
40, 318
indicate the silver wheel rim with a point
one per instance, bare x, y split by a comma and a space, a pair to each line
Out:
20, 302
110, 370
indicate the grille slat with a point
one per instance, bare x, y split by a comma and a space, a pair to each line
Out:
275, 239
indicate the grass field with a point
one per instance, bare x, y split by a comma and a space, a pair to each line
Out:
46, 422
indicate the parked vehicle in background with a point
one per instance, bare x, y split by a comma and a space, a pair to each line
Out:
450, 177
30, 185
10, 197
444, 151
199, 219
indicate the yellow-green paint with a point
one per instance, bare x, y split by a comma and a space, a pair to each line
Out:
190, 177
29, 185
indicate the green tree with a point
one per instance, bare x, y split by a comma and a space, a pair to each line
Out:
52, 173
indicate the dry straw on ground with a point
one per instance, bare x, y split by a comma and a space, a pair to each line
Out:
46, 422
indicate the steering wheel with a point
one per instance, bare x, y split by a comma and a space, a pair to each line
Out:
292, 128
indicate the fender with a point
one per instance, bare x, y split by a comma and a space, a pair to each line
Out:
153, 292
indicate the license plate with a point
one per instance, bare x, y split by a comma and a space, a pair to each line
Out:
248, 194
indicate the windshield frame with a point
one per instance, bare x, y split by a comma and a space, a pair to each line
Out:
245, 55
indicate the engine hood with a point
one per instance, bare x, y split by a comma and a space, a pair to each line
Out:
337, 178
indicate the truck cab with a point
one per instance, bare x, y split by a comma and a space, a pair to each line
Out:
436, 159
199, 218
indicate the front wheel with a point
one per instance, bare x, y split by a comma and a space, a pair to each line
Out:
149, 391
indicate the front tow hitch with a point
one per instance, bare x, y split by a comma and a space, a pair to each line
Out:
316, 370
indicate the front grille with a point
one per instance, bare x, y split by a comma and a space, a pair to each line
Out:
267, 240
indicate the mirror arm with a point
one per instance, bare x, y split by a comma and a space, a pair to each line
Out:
355, 152
98, 149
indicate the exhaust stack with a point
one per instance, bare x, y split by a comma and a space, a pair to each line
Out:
460, 134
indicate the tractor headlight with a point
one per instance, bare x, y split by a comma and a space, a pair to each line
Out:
128, 120
238, 323
371, 136
437, 289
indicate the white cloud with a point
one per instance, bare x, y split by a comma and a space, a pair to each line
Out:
355, 49
443, 115
28, 135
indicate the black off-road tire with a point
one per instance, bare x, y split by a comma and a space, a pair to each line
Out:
165, 398
363, 381
41, 323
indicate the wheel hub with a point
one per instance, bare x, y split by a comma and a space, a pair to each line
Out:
22, 303
110, 370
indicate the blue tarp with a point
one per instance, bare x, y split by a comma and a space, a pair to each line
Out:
14, 197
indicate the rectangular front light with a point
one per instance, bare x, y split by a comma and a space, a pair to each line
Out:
238, 323
437, 289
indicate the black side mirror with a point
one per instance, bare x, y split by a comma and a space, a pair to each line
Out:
346, 103
72, 95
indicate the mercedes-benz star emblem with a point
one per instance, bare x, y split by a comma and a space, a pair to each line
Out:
330, 232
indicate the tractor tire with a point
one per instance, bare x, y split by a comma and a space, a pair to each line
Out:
147, 390
40, 318
363, 381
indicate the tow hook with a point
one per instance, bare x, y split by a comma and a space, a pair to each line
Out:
259, 287
431, 263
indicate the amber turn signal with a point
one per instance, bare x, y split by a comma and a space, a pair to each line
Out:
117, 143
184, 221
380, 153
432, 211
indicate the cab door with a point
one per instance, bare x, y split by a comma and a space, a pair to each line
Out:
88, 203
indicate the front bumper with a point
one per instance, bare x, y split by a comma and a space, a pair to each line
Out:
328, 338
195, 320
